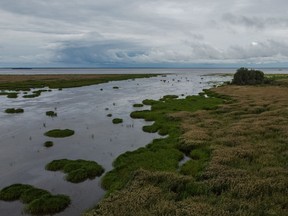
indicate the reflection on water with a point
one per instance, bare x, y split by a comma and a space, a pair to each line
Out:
23, 156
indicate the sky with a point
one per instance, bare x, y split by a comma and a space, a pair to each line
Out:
146, 33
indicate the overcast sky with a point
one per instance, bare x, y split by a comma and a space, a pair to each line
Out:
107, 33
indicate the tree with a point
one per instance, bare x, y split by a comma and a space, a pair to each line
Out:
244, 76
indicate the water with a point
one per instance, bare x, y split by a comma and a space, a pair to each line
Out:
23, 156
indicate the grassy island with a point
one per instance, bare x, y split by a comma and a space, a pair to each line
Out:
58, 133
76, 170
236, 144
37, 201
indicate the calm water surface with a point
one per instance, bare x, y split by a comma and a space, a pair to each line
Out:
23, 156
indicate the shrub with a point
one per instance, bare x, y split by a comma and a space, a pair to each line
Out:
244, 76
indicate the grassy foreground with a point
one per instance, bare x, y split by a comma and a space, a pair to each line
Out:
26, 82
238, 157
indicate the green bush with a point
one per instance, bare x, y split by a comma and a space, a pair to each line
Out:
244, 76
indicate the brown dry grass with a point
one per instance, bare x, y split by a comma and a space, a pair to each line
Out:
248, 170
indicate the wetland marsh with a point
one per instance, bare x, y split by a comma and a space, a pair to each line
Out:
96, 138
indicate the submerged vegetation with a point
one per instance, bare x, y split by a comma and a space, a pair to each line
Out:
58, 133
236, 140
14, 110
38, 201
76, 170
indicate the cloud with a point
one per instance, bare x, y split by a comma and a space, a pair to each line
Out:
142, 32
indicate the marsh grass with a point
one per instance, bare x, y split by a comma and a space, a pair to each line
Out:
58, 133
161, 154
238, 154
38, 201
76, 170
14, 110
117, 121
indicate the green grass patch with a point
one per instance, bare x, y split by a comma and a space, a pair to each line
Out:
76, 170
58, 133
109, 115
48, 144
117, 121
13, 110
51, 114
38, 201
161, 154
138, 105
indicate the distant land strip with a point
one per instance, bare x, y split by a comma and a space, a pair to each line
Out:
26, 82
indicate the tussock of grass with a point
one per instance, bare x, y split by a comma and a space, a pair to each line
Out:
48, 144
58, 133
76, 170
117, 120
13, 110
38, 201
51, 113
